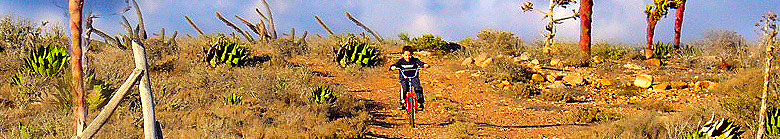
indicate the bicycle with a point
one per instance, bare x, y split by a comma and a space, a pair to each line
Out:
411, 97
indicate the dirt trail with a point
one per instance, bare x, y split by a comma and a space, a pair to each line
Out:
454, 97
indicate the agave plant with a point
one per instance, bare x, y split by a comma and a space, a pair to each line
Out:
233, 99
721, 129
772, 125
354, 51
662, 50
46, 60
323, 95
227, 52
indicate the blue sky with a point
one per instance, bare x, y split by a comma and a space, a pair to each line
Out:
614, 20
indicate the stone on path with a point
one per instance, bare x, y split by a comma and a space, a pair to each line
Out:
643, 81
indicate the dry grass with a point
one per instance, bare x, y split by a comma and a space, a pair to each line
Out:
189, 95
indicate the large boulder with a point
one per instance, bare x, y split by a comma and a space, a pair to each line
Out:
655, 62
643, 81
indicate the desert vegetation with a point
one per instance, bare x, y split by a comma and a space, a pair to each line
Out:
491, 85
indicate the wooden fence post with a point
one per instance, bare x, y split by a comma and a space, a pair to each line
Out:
145, 88
109, 109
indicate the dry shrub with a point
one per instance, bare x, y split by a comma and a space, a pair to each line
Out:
460, 130
730, 50
655, 105
591, 115
641, 125
505, 69
564, 94
613, 51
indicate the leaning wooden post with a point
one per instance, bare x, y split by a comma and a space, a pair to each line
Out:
109, 109
145, 88
80, 111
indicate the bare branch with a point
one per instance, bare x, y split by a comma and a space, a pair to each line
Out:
270, 18
142, 32
378, 38
193, 25
109, 109
250, 25
323, 25
128, 27
244, 33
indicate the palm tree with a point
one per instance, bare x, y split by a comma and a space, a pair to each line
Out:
654, 13
586, 12
680, 6
80, 111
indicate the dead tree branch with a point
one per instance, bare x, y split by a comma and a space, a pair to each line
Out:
376, 36
323, 25
251, 26
112, 104
193, 25
142, 30
270, 19
244, 33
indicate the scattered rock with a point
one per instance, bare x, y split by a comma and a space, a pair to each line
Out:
661, 86
524, 56
679, 85
467, 61
555, 62
486, 63
538, 78
632, 66
480, 58
643, 81
504, 84
475, 74
551, 78
535, 62
706, 85
574, 80
517, 59
556, 85
597, 60
602, 83
653, 62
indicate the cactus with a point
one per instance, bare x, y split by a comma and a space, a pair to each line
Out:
355, 51
46, 60
662, 50
233, 99
227, 52
721, 129
772, 125
323, 95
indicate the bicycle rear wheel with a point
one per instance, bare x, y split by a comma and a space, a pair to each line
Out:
411, 109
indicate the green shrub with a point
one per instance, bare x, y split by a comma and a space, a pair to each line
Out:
323, 95
429, 42
352, 50
227, 52
233, 99
610, 51
721, 129
663, 50
46, 60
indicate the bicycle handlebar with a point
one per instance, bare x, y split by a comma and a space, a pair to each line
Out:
416, 72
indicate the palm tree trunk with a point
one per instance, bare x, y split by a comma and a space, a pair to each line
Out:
678, 24
586, 11
650, 32
80, 111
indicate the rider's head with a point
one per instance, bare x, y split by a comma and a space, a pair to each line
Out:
407, 52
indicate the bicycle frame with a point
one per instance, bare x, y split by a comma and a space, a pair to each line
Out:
411, 96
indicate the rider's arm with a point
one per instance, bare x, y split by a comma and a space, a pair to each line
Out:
395, 65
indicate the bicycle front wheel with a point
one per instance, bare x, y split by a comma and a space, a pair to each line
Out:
412, 109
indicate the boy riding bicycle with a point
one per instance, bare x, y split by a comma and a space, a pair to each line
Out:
409, 62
